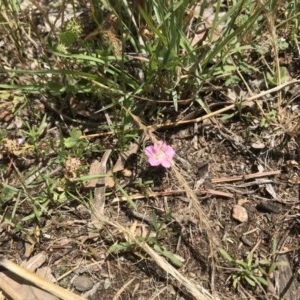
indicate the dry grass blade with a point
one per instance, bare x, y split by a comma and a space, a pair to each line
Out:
194, 204
124, 287
227, 108
38, 281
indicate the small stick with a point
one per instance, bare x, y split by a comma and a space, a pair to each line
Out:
38, 281
245, 177
124, 287
172, 193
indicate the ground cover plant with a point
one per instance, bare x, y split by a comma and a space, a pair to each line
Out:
149, 149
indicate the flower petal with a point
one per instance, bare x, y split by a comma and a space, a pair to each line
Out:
153, 161
170, 151
149, 151
166, 163
160, 154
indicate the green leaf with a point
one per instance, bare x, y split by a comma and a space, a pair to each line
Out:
236, 279
120, 247
8, 193
277, 264
227, 116
274, 245
284, 74
263, 271
250, 259
155, 223
264, 262
127, 197
76, 133
90, 177
171, 256
225, 255
232, 81
250, 281
262, 280
68, 37
72, 141
242, 263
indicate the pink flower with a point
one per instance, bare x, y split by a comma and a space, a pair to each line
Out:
160, 154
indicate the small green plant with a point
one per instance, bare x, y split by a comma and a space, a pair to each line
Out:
7, 193
69, 36
34, 132
261, 121
250, 270
246, 270
268, 118
283, 75
152, 238
74, 139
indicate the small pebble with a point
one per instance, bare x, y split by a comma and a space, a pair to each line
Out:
258, 145
239, 213
127, 173
82, 283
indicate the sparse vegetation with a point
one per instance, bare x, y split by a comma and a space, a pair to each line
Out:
86, 89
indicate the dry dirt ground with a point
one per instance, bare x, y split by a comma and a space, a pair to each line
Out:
215, 159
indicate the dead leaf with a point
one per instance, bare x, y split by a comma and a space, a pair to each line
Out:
258, 145
109, 182
14, 286
286, 285
119, 165
132, 229
29, 292
270, 190
35, 262
202, 174
94, 170
6, 114
99, 195
239, 213
29, 248
46, 273
208, 19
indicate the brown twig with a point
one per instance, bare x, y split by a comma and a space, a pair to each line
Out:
173, 193
245, 177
